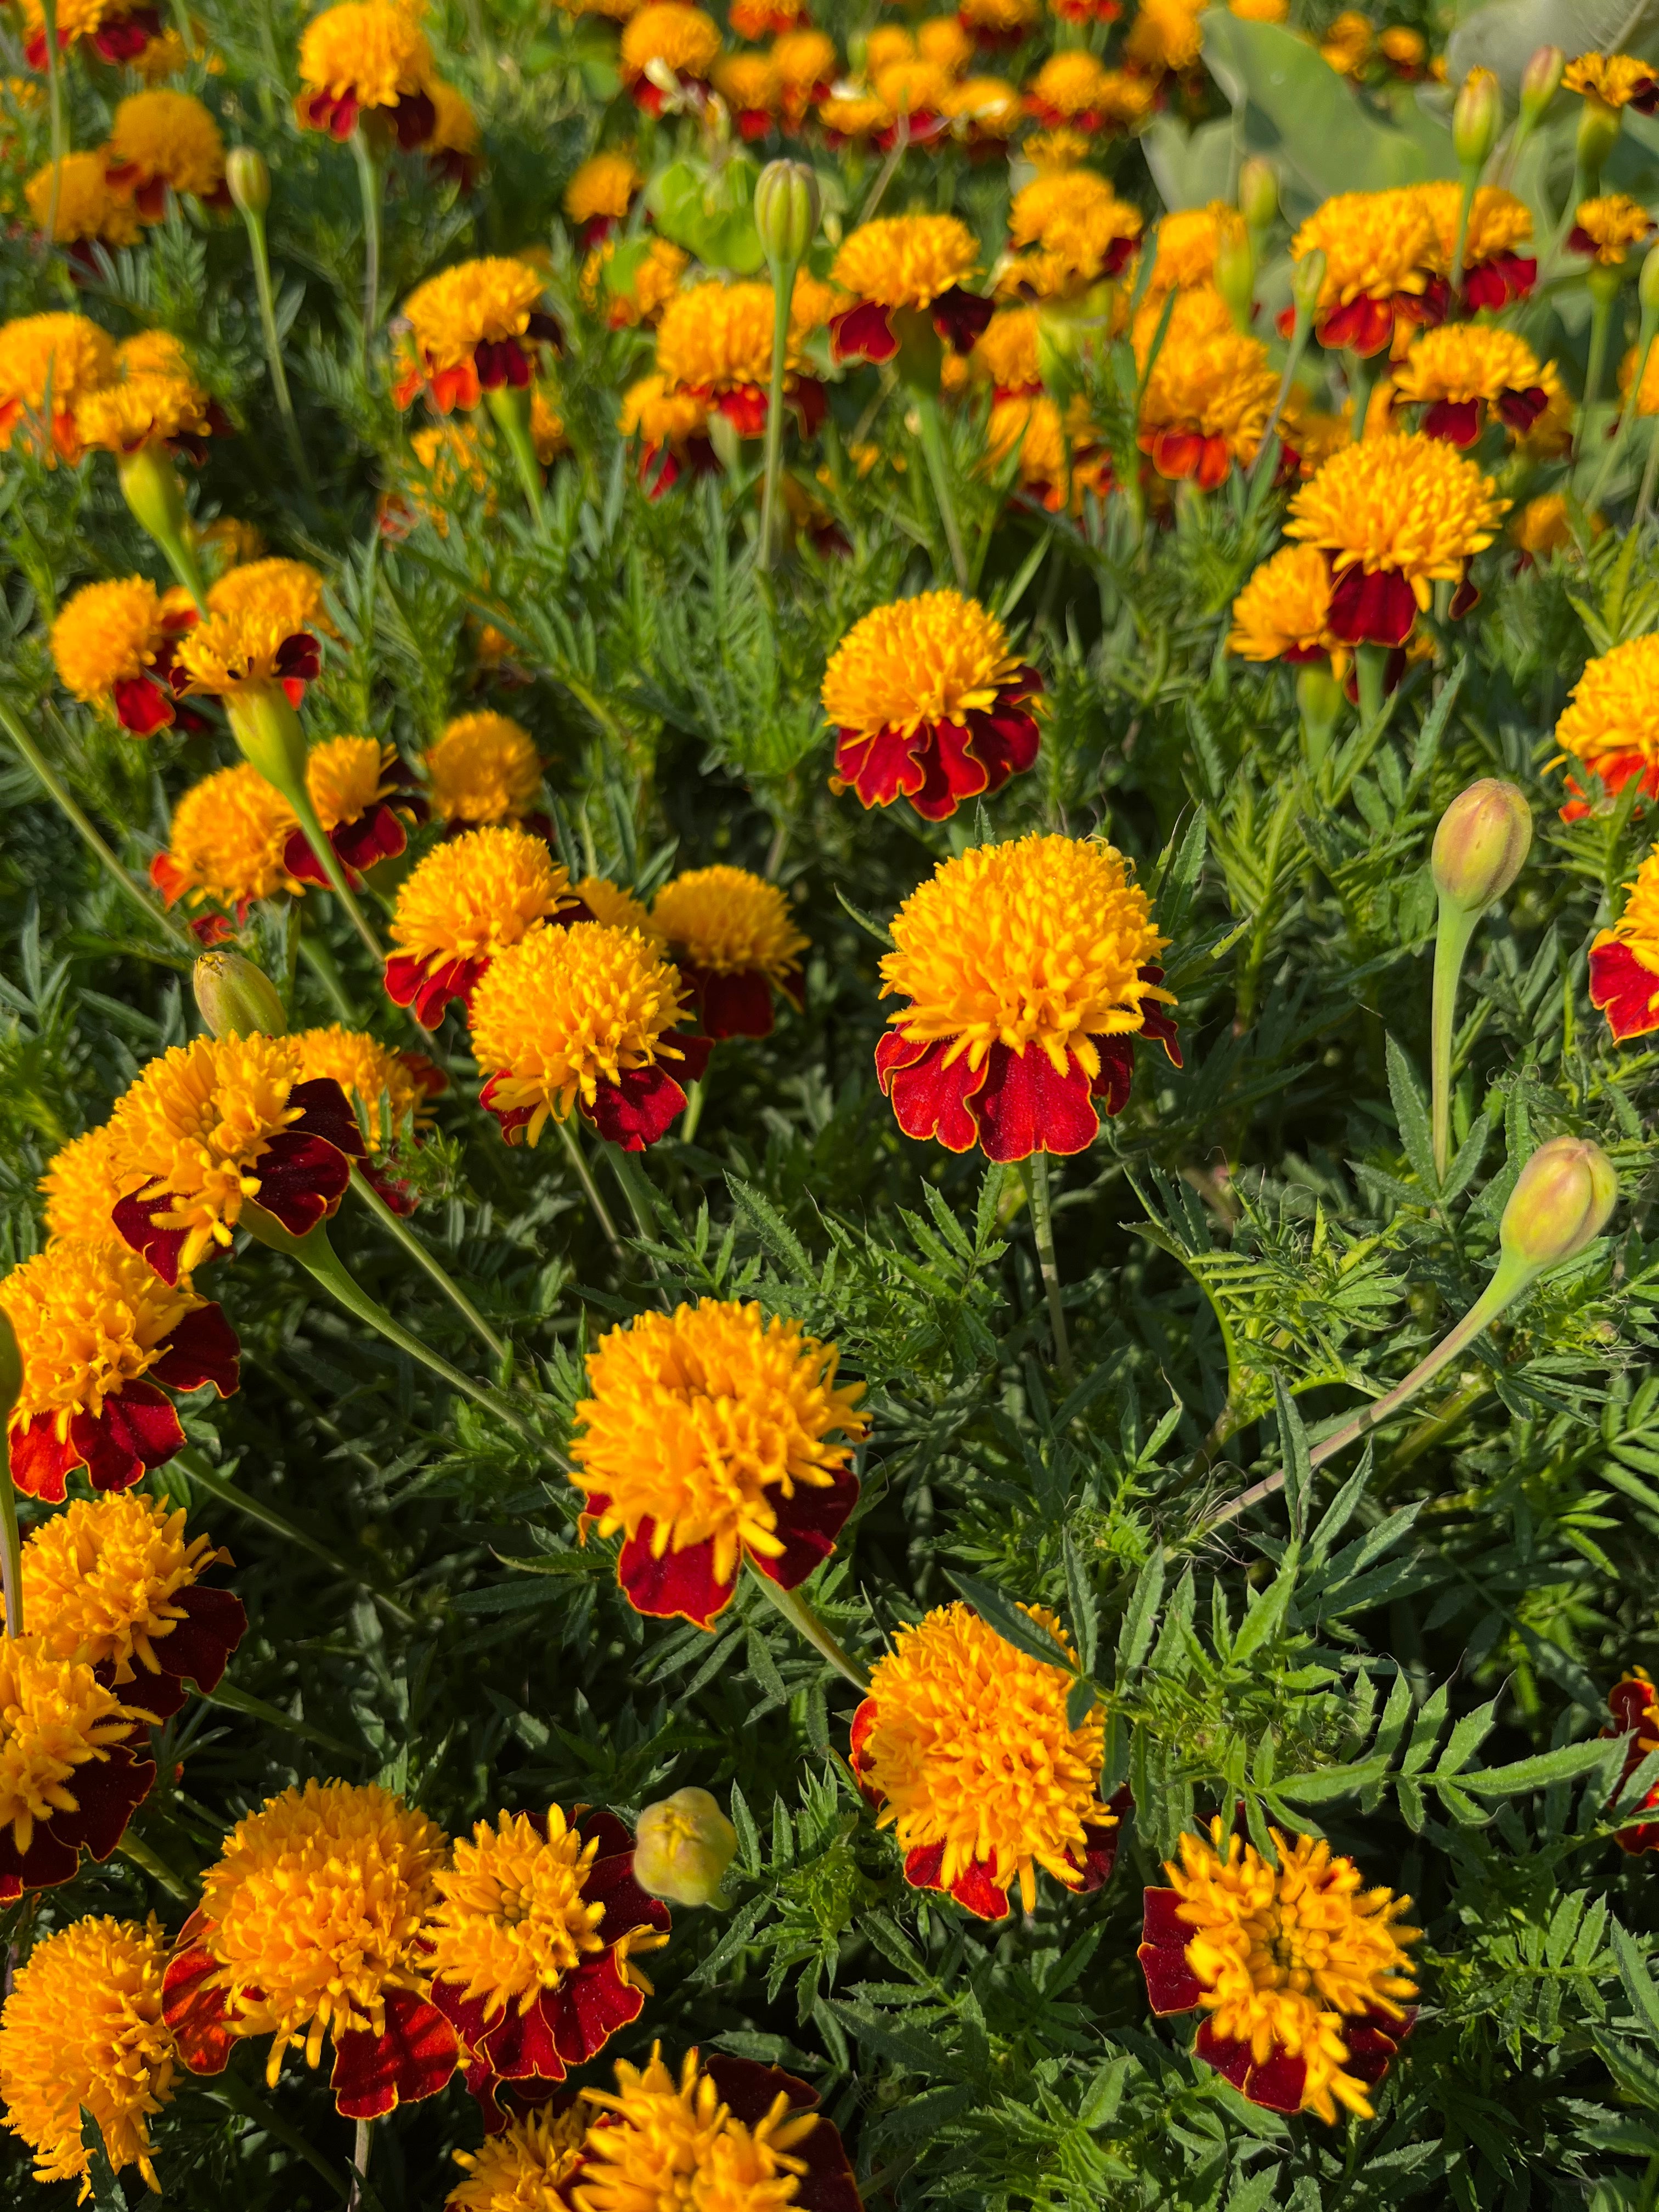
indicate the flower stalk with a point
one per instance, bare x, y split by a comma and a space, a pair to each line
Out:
1033, 1173
369, 185
787, 218
55, 106
805, 1622
1479, 848
268, 731
249, 182
509, 408
149, 485
578, 1159
400, 1232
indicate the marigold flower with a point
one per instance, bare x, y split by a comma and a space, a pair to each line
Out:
984, 112
118, 1585
163, 140
598, 196
1007, 357
633, 281
912, 264
804, 60
1607, 227
521, 2169
96, 1331
1381, 252
219, 1124
484, 770
389, 1091
729, 2133
81, 2031
352, 781
1494, 272
583, 1018
1055, 468
310, 1928
672, 428
113, 645
1300, 1969
229, 845
467, 900
1632, 1703
1348, 44
1164, 37
470, 324
964, 1747
1207, 396
90, 209
531, 1947
1000, 24
914, 90
680, 40
1073, 91
1027, 970
1283, 613
60, 356
1624, 961
852, 116
1395, 513
366, 54
730, 935
233, 652
80, 1186
1404, 48
70, 1776
1459, 370
1081, 231
116, 35
948, 40
148, 410
1541, 527
1616, 80
714, 343
928, 701
749, 85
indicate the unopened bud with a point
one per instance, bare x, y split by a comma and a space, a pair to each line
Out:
1541, 81
11, 1368
1235, 273
236, 999
1307, 283
1598, 134
786, 207
1647, 284
1482, 844
1477, 118
150, 484
681, 1847
1258, 193
247, 179
1562, 1201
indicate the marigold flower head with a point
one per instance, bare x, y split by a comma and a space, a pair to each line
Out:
68, 1780
887, 43
1001, 22
602, 190
1073, 87
80, 1186
62, 356
1380, 250
371, 53
732, 937
467, 900
850, 116
1542, 526
1610, 725
83, 2031
89, 207
986, 111
483, 769
1056, 466
1459, 371
1206, 401
1347, 43
347, 776
947, 40
1608, 227
476, 303
1081, 229
144, 409
1624, 960
716, 341
804, 60
288, 592
617, 909
229, 654
634, 281
914, 87
1061, 147
1300, 1970
390, 1091
749, 85
682, 38
1616, 80
964, 1745
228, 842
905, 260
1498, 223
709, 1436
78, 19
113, 645
1283, 611
522, 2169
1635, 1716
1006, 356
167, 139
1552, 435
1164, 36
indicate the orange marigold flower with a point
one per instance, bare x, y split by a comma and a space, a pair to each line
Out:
915, 88
147, 409
1616, 80
948, 40
1607, 227
531, 1947
749, 85
1395, 514
1207, 396
1552, 435
1610, 725
1300, 1969
1495, 272
730, 934
764, 19
118, 35
163, 140
467, 900
81, 2031
1164, 37
1055, 468
1275, 11
1000, 23
229, 843
1633, 1706
806, 63
1457, 372
927, 701
1624, 961
714, 343
113, 644
475, 328
1381, 252
390, 1092
1647, 398
667, 39
618, 909
118, 1585
1541, 527
366, 54
583, 1019
672, 428
984, 112
632, 280
1346, 44
90, 209
851, 116
80, 1186
905, 265
1081, 231
228, 655
484, 769
1187, 241
598, 196
359, 789
452, 148
729, 2133
1026, 970
291, 592
965, 1748
710, 1436
60, 357
71, 1766
1283, 613
213, 1126
521, 2169
1061, 147
310, 1928
96, 1332
1006, 356
1074, 92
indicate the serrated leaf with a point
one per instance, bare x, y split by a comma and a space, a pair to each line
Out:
1134, 1637
1411, 1114
105, 2193
1010, 1624
1537, 1772
1084, 1622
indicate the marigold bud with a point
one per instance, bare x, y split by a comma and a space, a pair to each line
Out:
1258, 193
150, 486
1539, 83
236, 998
1309, 282
247, 179
786, 207
11, 1369
1234, 274
681, 1847
1482, 844
1477, 118
1598, 134
1562, 1202
1647, 284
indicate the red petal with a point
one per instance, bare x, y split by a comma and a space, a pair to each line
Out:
1370, 2049
681, 1585
593, 2003
1026, 1108
1521, 409
415, 118
515, 2045
808, 1525
1280, 2085
960, 318
374, 836
40, 1461
375, 2074
882, 768
299, 860
736, 1003
325, 1112
636, 1110
1117, 1066
973, 1888
142, 706
198, 1648
1624, 989
750, 2090
1100, 1847
863, 333
1456, 420
109, 1791
951, 771
863, 1722
932, 1100
133, 1217
1230, 2059
1378, 609
194, 2013
136, 1432
1007, 738
203, 1349
301, 1180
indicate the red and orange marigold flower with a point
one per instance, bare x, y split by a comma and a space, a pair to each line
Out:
730, 935
667, 43
361, 790
163, 141
598, 197
228, 846
117, 35
72, 1768
113, 645
965, 1748
1206, 397
1381, 250
483, 771
389, 1091
1610, 725
467, 900
54, 359
1635, 1709
905, 267
1624, 961
475, 328
1027, 971
1074, 92
714, 346
1299, 1969
1283, 613
365, 56
1607, 227
1495, 271
1459, 371
711, 1436
97, 1332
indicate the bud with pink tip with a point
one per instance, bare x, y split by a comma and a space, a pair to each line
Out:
1539, 83
1563, 1200
1477, 118
1482, 844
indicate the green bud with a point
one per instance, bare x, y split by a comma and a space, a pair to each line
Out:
1539, 83
268, 731
788, 204
1258, 193
1235, 273
150, 486
1481, 845
1647, 284
1307, 283
681, 1847
1562, 1202
11, 1369
1598, 134
1477, 118
247, 179
236, 999
1319, 696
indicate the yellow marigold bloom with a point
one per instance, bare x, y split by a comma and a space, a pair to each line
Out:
946, 39
1403, 47
1395, 514
111, 635
732, 937
165, 56
1616, 80
1551, 435
1542, 526
144, 410
1458, 370
905, 260
89, 1317
483, 769
1607, 227
847, 117
914, 86
370, 53
1001, 22
1081, 229
804, 60
1610, 725
716, 341
1299, 1969
1073, 87
1282, 613
1348, 44
89, 207
82, 2031
64, 355
1498, 222
1188, 240
654, 2127
466, 902
390, 1091
1380, 250
229, 840
617, 909
984, 110
1623, 980
79, 1186
1055, 468
476, 303
751, 87
289, 592
602, 190
1207, 396
681, 38
63, 1750
521, 2170
1164, 36
886, 43
346, 776
1060, 149
658, 416
108, 1583
633, 281
166, 139
711, 1435
964, 1745
226, 654
1006, 356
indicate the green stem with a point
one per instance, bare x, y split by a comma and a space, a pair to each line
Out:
802, 1618
259, 249
933, 447
1370, 665
1472, 178
1299, 335
1360, 381
321, 962
55, 103
1451, 943
1650, 328
368, 183
573, 1146
181, 559
396, 1227
1033, 1173
510, 409
132, 1846
57, 791
634, 1190
11, 1557
230, 2088
205, 1476
783, 291
362, 2144
298, 796
694, 1094
1602, 297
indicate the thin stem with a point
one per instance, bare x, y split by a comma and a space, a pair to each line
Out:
888, 170
1033, 1173
933, 447
585, 1176
320, 961
298, 798
132, 1846
1370, 665
509, 409
634, 1190
395, 1226
1471, 179
55, 102
369, 181
181, 559
1450, 945
1650, 328
1292, 362
783, 291
57, 791
1602, 304
259, 249
230, 2088
205, 1476
11, 1557
694, 1094
1360, 381
362, 2144
802, 1618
